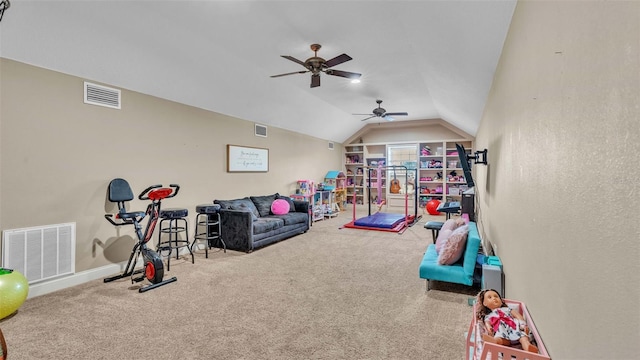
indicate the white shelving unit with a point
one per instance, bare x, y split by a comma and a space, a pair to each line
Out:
439, 174
354, 170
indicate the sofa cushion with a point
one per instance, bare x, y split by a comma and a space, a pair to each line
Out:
244, 207
292, 218
266, 224
237, 204
263, 203
455, 245
292, 206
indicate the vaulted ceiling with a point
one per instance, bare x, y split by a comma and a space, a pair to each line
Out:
431, 59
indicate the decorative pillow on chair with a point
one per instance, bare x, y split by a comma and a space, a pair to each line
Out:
452, 224
449, 225
280, 207
443, 235
454, 247
446, 230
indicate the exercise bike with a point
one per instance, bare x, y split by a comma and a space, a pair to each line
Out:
153, 269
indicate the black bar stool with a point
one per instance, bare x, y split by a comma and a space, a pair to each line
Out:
177, 219
208, 227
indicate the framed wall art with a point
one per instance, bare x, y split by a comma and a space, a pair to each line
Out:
247, 159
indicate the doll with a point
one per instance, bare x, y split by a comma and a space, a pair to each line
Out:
503, 326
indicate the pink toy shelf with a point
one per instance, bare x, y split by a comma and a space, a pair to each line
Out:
477, 349
304, 189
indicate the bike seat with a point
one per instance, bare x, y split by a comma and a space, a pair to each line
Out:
131, 215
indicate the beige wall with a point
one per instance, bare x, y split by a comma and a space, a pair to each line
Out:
560, 198
58, 155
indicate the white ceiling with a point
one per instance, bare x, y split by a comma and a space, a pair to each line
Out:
432, 59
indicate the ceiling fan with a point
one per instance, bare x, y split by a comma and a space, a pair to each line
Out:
382, 113
316, 65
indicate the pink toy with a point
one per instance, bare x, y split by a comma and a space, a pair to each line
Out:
279, 207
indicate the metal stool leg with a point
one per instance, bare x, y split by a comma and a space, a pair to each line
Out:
173, 230
207, 229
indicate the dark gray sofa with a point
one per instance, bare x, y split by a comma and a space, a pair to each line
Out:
248, 223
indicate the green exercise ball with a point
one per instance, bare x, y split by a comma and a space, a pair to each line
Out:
14, 289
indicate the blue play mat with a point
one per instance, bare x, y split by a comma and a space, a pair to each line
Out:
381, 220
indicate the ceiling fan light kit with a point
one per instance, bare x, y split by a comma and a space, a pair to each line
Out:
316, 65
382, 113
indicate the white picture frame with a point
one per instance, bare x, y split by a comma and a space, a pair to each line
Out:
247, 159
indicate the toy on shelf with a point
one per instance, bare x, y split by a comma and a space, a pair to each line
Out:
425, 151
305, 188
353, 159
434, 164
335, 180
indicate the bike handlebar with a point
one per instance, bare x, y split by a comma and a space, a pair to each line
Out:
144, 195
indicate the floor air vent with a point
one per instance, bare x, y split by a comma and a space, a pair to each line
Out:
261, 130
101, 95
40, 253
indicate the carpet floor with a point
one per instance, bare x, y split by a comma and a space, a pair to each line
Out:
331, 293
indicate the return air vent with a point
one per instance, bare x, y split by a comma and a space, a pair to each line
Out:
331, 145
261, 130
101, 95
40, 253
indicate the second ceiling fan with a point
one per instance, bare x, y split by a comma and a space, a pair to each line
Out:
382, 113
316, 65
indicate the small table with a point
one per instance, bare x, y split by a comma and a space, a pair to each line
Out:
449, 208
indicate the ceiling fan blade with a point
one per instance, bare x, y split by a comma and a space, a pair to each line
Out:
294, 60
365, 119
315, 80
365, 114
337, 60
291, 73
397, 114
344, 74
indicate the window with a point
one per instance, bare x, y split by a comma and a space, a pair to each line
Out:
402, 156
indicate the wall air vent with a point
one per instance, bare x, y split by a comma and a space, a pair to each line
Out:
40, 253
101, 95
261, 130
330, 145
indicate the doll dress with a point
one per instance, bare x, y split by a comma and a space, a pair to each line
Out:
504, 325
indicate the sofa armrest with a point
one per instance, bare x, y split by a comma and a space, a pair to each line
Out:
301, 206
236, 229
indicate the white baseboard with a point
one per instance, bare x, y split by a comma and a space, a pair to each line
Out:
50, 286
73, 280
